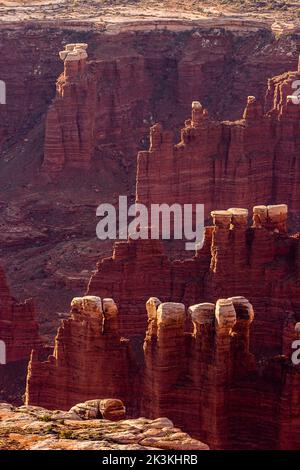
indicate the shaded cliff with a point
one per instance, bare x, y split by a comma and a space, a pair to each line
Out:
18, 325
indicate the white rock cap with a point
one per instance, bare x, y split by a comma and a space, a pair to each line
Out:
74, 52
90, 305
225, 313
203, 313
196, 105
238, 211
170, 313
220, 213
151, 307
275, 210
260, 209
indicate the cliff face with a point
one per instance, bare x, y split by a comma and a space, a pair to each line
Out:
198, 371
69, 139
18, 327
220, 164
209, 382
87, 348
97, 106
138, 74
260, 262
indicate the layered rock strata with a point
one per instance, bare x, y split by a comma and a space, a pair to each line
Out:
209, 381
18, 326
198, 371
88, 347
69, 139
259, 260
218, 163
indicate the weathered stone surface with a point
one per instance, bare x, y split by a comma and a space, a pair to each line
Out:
110, 408
36, 428
206, 381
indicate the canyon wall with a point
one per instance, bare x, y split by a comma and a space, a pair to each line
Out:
90, 359
18, 327
142, 76
198, 371
260, 261
220, 164
90, 118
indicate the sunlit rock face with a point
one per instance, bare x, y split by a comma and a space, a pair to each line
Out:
197, 369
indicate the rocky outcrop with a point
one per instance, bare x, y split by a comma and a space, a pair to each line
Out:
260, 261
208, 381
90, 118
110, 409
69, 139
18, 326
87, 348
217, 163
104, 106
198, 371
36, 428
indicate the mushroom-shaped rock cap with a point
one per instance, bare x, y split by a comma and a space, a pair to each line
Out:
170, 314
277, 210
88, 305
76, 55
70, 47
225, 313
260, 210
251, 99
221, 213
110, 308
238, 211
221, 218
196, 105
203, 313
151, 307
63, 54
81, 45
244, 309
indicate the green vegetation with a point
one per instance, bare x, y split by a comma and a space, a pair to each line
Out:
66, 434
